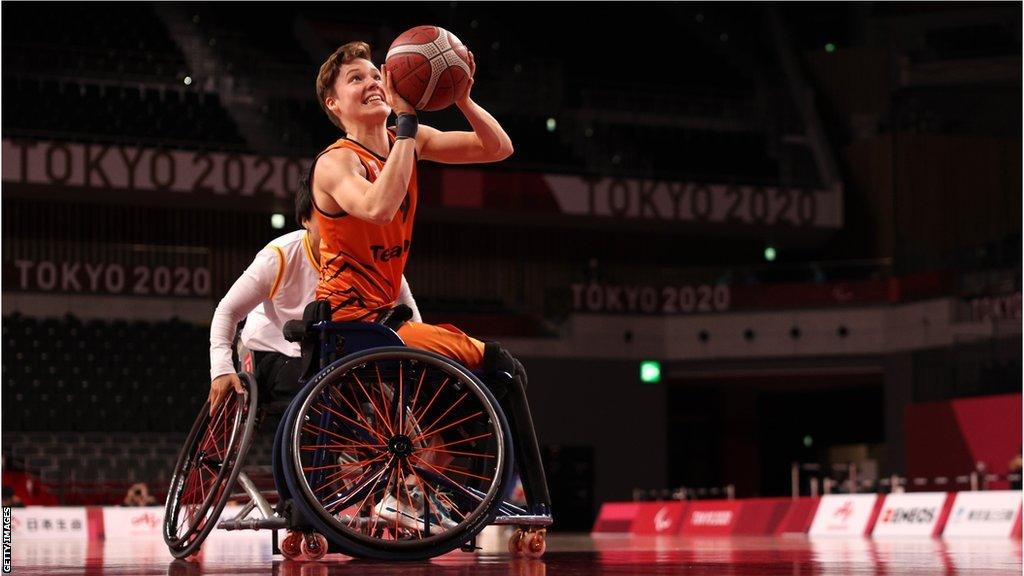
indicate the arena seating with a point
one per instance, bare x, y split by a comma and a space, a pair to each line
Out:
97, 468
102, 41
92, 111
97, 376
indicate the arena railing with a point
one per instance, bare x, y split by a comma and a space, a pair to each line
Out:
852, 483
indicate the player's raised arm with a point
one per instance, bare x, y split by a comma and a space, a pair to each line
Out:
488, 142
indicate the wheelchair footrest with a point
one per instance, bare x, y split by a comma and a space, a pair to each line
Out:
254, 524
522, 521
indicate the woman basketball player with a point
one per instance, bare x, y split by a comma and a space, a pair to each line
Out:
364, 199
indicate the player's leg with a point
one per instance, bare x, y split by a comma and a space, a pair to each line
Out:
514, 402
446, 340
277, 377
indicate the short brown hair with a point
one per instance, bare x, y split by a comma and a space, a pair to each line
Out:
329, 72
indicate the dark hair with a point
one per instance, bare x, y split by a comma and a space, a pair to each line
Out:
329, 73
303, 202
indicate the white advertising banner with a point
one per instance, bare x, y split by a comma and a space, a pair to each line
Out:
990, 514
843, 515
913, 514
146, 523
48, 523
139, 523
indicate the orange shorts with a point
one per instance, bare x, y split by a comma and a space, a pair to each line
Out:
446, 340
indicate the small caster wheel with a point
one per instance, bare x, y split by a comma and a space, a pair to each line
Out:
516, 542
291, 546
314, 546
536, 543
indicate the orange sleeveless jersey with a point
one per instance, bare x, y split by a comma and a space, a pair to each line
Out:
361, 263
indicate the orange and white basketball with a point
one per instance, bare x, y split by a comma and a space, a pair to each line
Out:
429, 67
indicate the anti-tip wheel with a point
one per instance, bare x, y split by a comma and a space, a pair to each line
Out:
536, 543
516, 542
291, 546
314, 546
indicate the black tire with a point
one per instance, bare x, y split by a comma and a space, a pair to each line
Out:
233, 422
470, 499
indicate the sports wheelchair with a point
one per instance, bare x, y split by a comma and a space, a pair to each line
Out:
387, 452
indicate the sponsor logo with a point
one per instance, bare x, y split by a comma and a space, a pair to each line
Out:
148, 519
908, 516
985, 515
662, 521
712, 518
843, 513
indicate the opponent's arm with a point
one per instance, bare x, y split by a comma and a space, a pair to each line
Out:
405, 297
251, 288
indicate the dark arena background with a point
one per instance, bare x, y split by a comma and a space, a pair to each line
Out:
762, 263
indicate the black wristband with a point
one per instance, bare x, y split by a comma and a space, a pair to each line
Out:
406, 125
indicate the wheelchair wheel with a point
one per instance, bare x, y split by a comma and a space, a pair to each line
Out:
397, 454
207, 467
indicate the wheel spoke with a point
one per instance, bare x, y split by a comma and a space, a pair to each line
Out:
416, 396
423, 412
442, 429
373, 510
343, 501
457, 453
383, 399
400, 408
423, 433
307, 427
336, 447
408, 494
359, 414
347, 419
462, 441
454, 470
330, 480
441, 477
376, 410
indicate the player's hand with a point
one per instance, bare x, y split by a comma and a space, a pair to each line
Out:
221, 387
397, 103
463, 97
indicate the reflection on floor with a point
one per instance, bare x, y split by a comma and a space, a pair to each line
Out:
566, 555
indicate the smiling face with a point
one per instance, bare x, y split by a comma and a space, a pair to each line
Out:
358, 94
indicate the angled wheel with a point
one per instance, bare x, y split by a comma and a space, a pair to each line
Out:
314, 546
516, 542
536, 543
207, 467
397, 454
291, 546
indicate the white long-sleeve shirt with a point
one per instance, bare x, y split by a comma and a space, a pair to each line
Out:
274, 289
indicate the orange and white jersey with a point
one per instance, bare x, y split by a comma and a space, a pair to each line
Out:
361, 263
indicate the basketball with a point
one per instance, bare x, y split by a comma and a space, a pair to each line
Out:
429, 67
